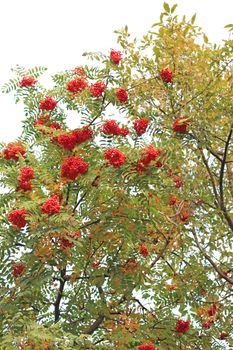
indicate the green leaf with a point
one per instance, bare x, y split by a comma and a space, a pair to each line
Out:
206, 40
10, 86
166, 7
36, 71
173, 8
193, 18
229, 26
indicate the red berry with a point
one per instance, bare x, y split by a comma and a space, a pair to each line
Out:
24, 185
166, 75
115, 56
79, 71
184, 216
110, 127
122, 95
18, 269
27, 81
115, 157
83, 134
14, 151
65, 242
97, 89
149, 346
172, 199
76, 85
182, 326
140, 125
124, 132
73, 166
143, 249
42, 120
212, 310
48, 103
223, 335
55, 126
67, 140
26, 173
178, 181
51, 205
181, 124
207, 325
18, 217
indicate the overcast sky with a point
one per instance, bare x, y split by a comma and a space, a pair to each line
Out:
55, 33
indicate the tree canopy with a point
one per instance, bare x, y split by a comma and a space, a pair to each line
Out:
117, 234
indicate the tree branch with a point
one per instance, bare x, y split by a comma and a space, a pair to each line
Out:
217, 269
92, 328
223, 168
221, 177
210, 175
59, 296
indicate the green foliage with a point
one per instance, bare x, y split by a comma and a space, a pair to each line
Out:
11, 85
141, 262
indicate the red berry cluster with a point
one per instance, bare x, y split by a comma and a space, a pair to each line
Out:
73, 166
115, 157
69, 140
181, 124
124, 132
173, 200
149, 346
166, 75
212, 310
223, 335
97, 89
207, 325
43, 119
182, 326
18, 269
79, 71
95, 264
140, 125
51, 205
77, 85
18, 218
143, 250
66, 242
83, 134
27, 81
122, 95
26, 174
184, 216
178, 182
110, 127
48, 103
14, 151
150, 154
56, 126
115, 56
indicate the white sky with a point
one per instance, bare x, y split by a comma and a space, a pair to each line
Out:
55, 33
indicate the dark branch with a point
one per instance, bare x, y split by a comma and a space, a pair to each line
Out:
223, 168
59, 296
217, 269
221, 177
95, 325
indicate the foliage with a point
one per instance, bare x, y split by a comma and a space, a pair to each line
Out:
155, 242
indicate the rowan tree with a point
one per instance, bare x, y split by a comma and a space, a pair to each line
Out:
117, 234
